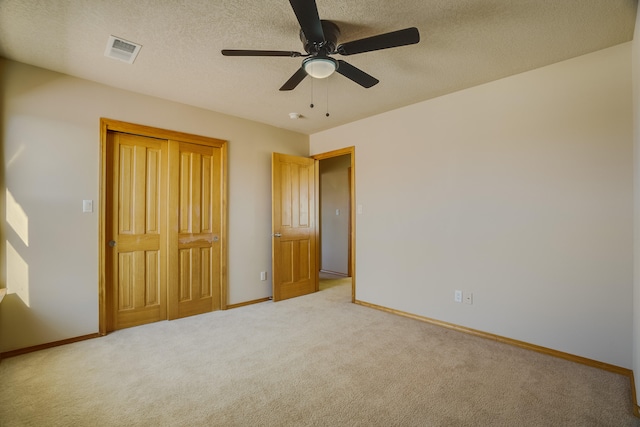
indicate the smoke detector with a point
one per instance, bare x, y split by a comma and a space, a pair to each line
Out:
122, 49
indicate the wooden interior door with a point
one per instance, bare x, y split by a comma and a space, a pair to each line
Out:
136, 254
295, 271
163, 226
195, 242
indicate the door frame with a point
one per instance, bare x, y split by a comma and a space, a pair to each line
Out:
107, 125
352, 209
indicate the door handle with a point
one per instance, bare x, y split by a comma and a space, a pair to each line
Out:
112, 243
277, 235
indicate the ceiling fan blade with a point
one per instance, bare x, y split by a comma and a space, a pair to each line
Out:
307, 13
381, 41
241, 52
356, 74
294, 80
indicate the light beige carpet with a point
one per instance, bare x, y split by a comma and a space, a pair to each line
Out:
316, 360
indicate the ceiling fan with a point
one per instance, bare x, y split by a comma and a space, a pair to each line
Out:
320, 38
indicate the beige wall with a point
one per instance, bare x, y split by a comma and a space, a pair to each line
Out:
519, 191
51, 163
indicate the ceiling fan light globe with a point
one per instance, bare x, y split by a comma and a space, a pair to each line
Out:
320, 68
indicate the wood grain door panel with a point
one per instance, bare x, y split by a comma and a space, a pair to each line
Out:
138, 192
197, 241
294, 248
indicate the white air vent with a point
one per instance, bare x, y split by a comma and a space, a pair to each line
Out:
121, 49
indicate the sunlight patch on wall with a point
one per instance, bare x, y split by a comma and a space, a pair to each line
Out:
17, 218
15, 156
17, 275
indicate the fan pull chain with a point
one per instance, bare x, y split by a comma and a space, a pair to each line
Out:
327, 98
311, 93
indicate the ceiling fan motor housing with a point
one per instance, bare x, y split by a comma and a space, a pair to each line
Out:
331, 34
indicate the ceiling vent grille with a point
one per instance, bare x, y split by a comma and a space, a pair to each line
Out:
121, 49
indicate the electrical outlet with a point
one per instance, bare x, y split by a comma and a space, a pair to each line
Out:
457, 296
468, 297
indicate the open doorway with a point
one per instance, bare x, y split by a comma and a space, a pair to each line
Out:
335, 218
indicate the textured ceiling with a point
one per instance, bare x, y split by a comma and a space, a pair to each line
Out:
463, 43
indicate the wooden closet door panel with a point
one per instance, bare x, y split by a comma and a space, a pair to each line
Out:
197, 191
138, 256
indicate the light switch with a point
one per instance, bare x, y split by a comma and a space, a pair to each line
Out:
338, 212
87, 206
359, 209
